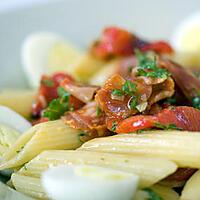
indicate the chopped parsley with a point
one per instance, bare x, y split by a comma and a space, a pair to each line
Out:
82, 134
133, 102
98, 111
117, 92
196, 102
167, 127
142, 130
57, 107
114, 126
128, 88
152, 195
171, 101
148, 67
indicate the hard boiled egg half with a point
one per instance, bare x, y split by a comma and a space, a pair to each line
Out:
12, 119
186, 41
85, 182
46, 53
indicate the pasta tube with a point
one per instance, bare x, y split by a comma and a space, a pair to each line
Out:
8, 137
3, 149
150, 170
178, 146
86, 66
191, 189
104, 73
28, 185
44, 136
20, 100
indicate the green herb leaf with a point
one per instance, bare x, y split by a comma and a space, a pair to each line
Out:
63, 94
152, 195
117, 92
129, 87
171, 100
196, 102
148, 67
114, 126
98, 111
141, 57
57, 107
167, 127
133, 102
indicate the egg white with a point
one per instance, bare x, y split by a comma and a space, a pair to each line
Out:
35, 50
88, 183
13, 119
47, 53
184, 31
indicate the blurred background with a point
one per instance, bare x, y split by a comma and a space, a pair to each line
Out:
80, 21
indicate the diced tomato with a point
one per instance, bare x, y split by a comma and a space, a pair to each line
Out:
186, 118
58, 77
114, 41
159, 47
135, 123
48, 91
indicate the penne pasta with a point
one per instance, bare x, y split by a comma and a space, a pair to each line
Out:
191, 189
44, 136
3, 149
150, 170
28, 185
20, 101
166, 193
177, 146
104, 73
19, 144
62, 56
88, 62
8, 137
